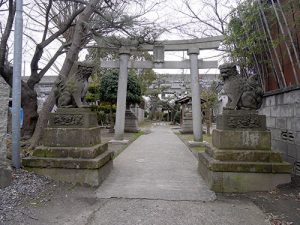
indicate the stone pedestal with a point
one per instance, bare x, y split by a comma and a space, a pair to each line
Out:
131, 122
187, 124
72, 150
240, 157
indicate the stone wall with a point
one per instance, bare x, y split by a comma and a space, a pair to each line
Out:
283, 120
4, 95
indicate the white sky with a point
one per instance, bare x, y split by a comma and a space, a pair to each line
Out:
167, 13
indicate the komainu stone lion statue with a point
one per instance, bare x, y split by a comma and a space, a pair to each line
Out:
70, 93
242, 93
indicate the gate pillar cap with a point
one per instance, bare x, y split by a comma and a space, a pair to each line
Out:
193, 51
124, 50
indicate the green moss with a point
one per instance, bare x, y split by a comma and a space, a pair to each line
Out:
50, 153
199, 149
136, 136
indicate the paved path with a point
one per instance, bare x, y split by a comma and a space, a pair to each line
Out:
156, 166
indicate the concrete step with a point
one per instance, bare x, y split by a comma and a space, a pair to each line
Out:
72, 152
238, 166
68, 163
243, 155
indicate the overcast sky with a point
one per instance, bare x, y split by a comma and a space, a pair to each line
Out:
167, 13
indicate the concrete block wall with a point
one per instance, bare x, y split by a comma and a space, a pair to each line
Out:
4, 97
5, 170
283, 120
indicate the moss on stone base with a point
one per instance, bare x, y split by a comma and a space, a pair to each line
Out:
249, 167
90, 177
242, 182
72, 152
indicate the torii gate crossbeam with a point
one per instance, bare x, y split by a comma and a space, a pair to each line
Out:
185, 64
194, 64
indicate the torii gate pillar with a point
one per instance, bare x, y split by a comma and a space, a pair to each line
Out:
196, 102
122, 93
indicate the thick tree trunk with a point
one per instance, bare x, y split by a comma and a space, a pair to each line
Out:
29, 104
42, 121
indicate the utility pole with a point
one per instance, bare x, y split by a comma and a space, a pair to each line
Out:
16, 89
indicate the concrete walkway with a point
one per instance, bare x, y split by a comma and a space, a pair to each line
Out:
154, 181
156, 166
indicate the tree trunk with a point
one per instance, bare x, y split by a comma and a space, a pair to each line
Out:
42, 121
112, 124
29, 105
208, 121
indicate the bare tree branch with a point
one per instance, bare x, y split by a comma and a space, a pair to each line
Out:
35, 77
5, 69
59, 52
221, 31
206, 17
47, 20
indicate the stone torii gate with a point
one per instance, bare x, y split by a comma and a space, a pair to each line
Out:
193, 63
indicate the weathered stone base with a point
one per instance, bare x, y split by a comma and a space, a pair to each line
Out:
73, 117
243, 155
241, 139
90, 177
5, 175
187, 124
240, 158
68, 163
131, 122
241, 119
242, 182
71, 150
241, 166
69, 137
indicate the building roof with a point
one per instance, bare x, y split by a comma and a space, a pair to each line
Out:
187, 99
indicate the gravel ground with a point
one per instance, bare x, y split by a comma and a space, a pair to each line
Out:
26, 188
282, 205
